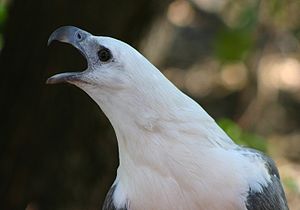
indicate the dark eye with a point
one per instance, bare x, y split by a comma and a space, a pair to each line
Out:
104, 55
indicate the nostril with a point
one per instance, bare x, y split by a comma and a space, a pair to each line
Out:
79, 36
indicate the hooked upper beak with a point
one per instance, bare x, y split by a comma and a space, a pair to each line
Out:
74, 36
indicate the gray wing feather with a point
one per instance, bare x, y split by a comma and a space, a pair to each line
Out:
272, 196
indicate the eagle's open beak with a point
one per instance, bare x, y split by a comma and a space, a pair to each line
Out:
73, 36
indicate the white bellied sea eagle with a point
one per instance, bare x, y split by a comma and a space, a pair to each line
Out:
172, 154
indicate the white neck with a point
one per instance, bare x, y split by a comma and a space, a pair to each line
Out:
157, 127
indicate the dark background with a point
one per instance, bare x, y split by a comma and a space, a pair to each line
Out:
239, 60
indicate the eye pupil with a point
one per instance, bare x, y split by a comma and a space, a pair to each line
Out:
104, 55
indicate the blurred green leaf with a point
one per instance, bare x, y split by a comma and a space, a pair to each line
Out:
248, 18
233, 43
291, 184
276, 7
3, 14
242, 137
